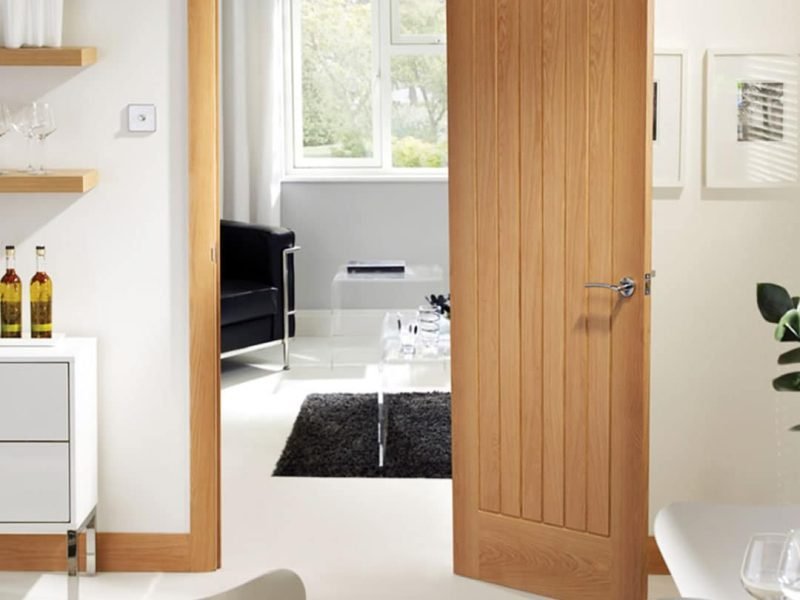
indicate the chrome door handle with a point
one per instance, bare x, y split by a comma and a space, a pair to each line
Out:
626, 287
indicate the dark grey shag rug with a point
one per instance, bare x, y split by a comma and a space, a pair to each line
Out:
336, 435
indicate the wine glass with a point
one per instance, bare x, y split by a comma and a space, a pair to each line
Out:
789, 567
35, 122
5, 124
44, 124
22, 122
759, 574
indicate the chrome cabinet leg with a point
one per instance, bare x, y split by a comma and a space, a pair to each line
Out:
72, 564
89, 527
286, 359
91, 545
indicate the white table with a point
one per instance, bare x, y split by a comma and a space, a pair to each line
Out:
704, 544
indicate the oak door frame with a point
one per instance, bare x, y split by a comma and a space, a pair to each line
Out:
198, 550
204, 316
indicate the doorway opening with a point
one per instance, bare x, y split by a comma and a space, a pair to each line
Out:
350, 438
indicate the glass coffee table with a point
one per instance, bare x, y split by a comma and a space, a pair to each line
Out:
359, 299
431, 357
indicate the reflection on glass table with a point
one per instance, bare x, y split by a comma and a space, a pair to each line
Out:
396, 354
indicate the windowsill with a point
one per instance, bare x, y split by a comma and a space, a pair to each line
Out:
323, 177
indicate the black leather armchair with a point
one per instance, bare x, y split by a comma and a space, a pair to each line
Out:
257, 281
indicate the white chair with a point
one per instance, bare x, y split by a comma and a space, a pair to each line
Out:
277, 585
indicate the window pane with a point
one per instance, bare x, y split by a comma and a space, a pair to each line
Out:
422, 17
337, 79
419, 111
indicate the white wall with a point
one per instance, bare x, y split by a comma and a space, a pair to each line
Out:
336, 222
718, 429
118, 254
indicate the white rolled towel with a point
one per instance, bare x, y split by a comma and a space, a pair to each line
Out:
35, 37
53, 22
14, 17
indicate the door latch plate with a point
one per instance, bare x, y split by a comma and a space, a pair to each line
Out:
648, 283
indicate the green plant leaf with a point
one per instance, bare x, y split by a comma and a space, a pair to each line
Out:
796, 300
795, 428
773, 301
788, 329
790, 358
787, 383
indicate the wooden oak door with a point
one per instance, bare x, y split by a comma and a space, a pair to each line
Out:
550, 125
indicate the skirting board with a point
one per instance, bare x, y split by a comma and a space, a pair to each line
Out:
116, 552
655, 562
146, 553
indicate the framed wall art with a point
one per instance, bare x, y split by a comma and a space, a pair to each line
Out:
669, 118
752, 120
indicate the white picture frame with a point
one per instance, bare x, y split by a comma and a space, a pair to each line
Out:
751, 119
669, 118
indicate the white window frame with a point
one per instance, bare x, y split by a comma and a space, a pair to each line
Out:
399, 38
379, 166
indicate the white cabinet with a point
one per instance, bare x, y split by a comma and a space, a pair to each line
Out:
34, 402
48, 441
35, 483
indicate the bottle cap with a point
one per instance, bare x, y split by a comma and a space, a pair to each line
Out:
40, 247
9, 247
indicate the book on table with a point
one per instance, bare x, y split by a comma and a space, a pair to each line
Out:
356, 267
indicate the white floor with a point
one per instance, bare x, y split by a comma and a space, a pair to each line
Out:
349, 539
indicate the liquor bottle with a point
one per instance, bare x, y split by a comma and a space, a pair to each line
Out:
10, 299
41, 299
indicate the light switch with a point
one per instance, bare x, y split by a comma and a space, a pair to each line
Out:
141, 117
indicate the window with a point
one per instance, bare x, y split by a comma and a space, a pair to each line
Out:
369, 86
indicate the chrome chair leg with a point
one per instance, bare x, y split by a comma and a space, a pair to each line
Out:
287, 313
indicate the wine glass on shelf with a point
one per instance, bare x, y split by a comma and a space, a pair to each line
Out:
44, 124
22, 123
5, 126
760, 567
35, 122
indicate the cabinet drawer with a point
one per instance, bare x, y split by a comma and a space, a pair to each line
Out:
35, 483
34, 402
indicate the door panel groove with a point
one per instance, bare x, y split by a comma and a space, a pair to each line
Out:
576, 250
488, 290
553, 176
509, 274
531, 244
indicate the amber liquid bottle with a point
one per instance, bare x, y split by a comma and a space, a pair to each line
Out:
10, 299
41, 299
